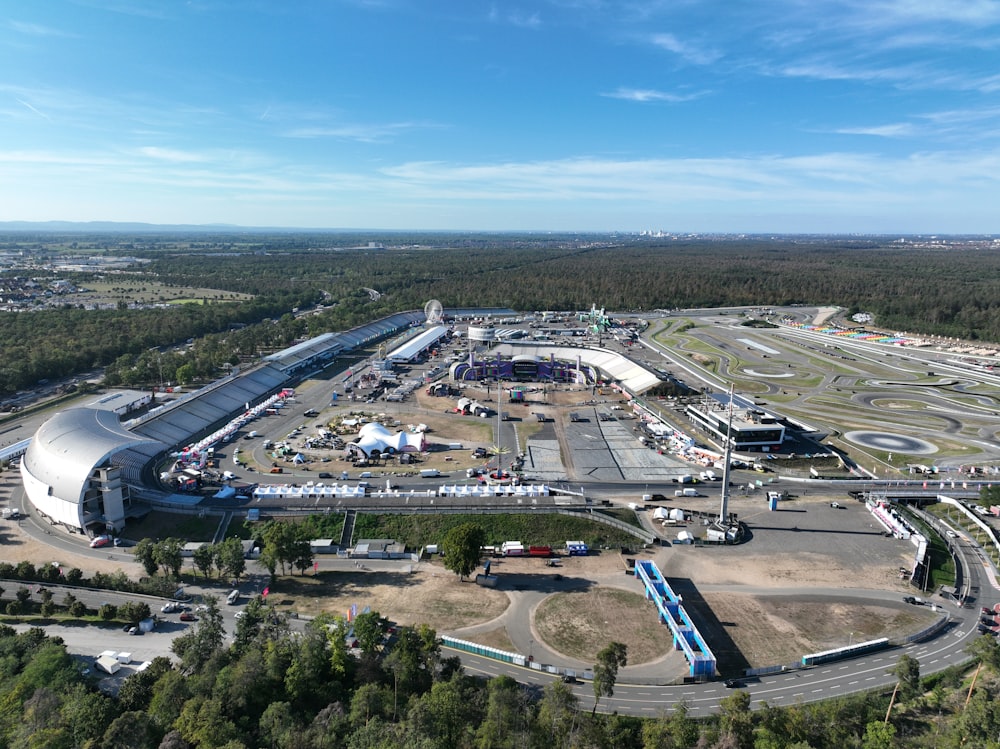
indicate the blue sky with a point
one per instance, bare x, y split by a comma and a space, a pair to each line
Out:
870, 116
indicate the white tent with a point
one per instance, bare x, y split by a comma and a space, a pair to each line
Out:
685, 537
374, 437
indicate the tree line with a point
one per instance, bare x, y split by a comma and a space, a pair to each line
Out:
369, 685
952, 292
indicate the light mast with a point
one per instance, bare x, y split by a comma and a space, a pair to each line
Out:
728, 454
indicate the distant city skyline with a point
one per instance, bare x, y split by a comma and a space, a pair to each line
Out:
704, 116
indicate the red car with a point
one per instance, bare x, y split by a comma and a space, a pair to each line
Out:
187, 616
100, 541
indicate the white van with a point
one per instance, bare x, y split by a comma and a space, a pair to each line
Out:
233, 597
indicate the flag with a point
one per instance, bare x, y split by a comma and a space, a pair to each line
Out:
266, 591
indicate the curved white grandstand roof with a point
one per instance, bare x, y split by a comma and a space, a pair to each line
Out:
67, 447
634, 377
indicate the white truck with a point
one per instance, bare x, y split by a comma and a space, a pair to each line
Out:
429, 473
686, 493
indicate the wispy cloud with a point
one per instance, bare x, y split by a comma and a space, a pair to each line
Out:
361, 133
692, 52
968, 12
647, 95
36, 29
959, 126
515, 17
30, 108
172, 155
896, 130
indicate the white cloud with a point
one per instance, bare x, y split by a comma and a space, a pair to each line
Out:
896, 130
171, 155
691, 52
645, 95
356, 132
31, 108
36, 29
515, 17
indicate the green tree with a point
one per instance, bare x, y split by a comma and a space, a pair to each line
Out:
609, 660
986, 650
445, 714
196, 647
907, 671
134, 612
170, 693
204, 559
462, 546
879, 735
168, 555
145, 554
204, 723
736, 720
370, 702
276, 722
507, 722
559, 722
979, 724
370, 629
229, 558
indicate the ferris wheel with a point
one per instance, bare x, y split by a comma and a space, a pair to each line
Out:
433, 311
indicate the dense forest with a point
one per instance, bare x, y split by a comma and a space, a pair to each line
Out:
949, 291
270, 687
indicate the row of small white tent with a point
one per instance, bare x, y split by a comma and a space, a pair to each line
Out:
662, 513
284, 491
233, 426
494, 490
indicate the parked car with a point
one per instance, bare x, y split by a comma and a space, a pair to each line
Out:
188, 617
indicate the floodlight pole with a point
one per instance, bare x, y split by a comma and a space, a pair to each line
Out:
727, 460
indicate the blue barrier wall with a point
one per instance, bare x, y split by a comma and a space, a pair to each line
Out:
687, 638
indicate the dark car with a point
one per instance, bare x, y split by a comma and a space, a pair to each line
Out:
188, 617
909, 599
325, 475
567, 679
733, 684
988, 612
987, 621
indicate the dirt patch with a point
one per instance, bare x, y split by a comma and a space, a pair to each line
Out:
771, 631
425, 596
580, 623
